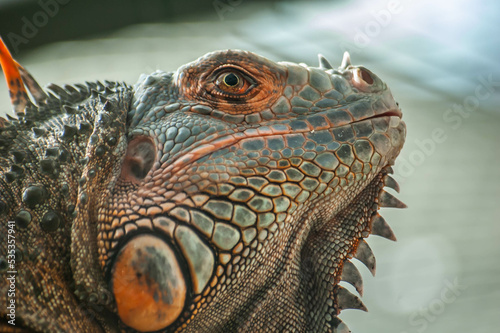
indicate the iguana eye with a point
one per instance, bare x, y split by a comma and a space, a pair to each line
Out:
232, 83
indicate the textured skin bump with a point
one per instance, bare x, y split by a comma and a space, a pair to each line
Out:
198, 255
227, 196
148, 284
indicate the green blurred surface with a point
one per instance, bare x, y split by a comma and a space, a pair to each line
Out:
433, 56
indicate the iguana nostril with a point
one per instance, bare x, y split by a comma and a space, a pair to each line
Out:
362, 79
148, 284
139, 159
366, 76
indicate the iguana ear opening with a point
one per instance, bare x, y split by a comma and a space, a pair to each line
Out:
139, 159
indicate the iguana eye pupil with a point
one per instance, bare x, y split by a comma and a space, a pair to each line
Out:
231, 80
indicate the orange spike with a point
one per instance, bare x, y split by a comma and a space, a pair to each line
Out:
18, 95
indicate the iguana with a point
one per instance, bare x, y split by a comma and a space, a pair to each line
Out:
227, 196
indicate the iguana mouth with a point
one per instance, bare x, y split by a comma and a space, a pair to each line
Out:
276, 129
390, 113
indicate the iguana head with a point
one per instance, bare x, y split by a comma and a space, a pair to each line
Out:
228, 195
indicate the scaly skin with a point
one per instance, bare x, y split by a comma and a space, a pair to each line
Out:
227, 196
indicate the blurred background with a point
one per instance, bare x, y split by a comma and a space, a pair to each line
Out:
442, 62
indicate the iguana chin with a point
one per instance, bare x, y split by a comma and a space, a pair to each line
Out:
227, 196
